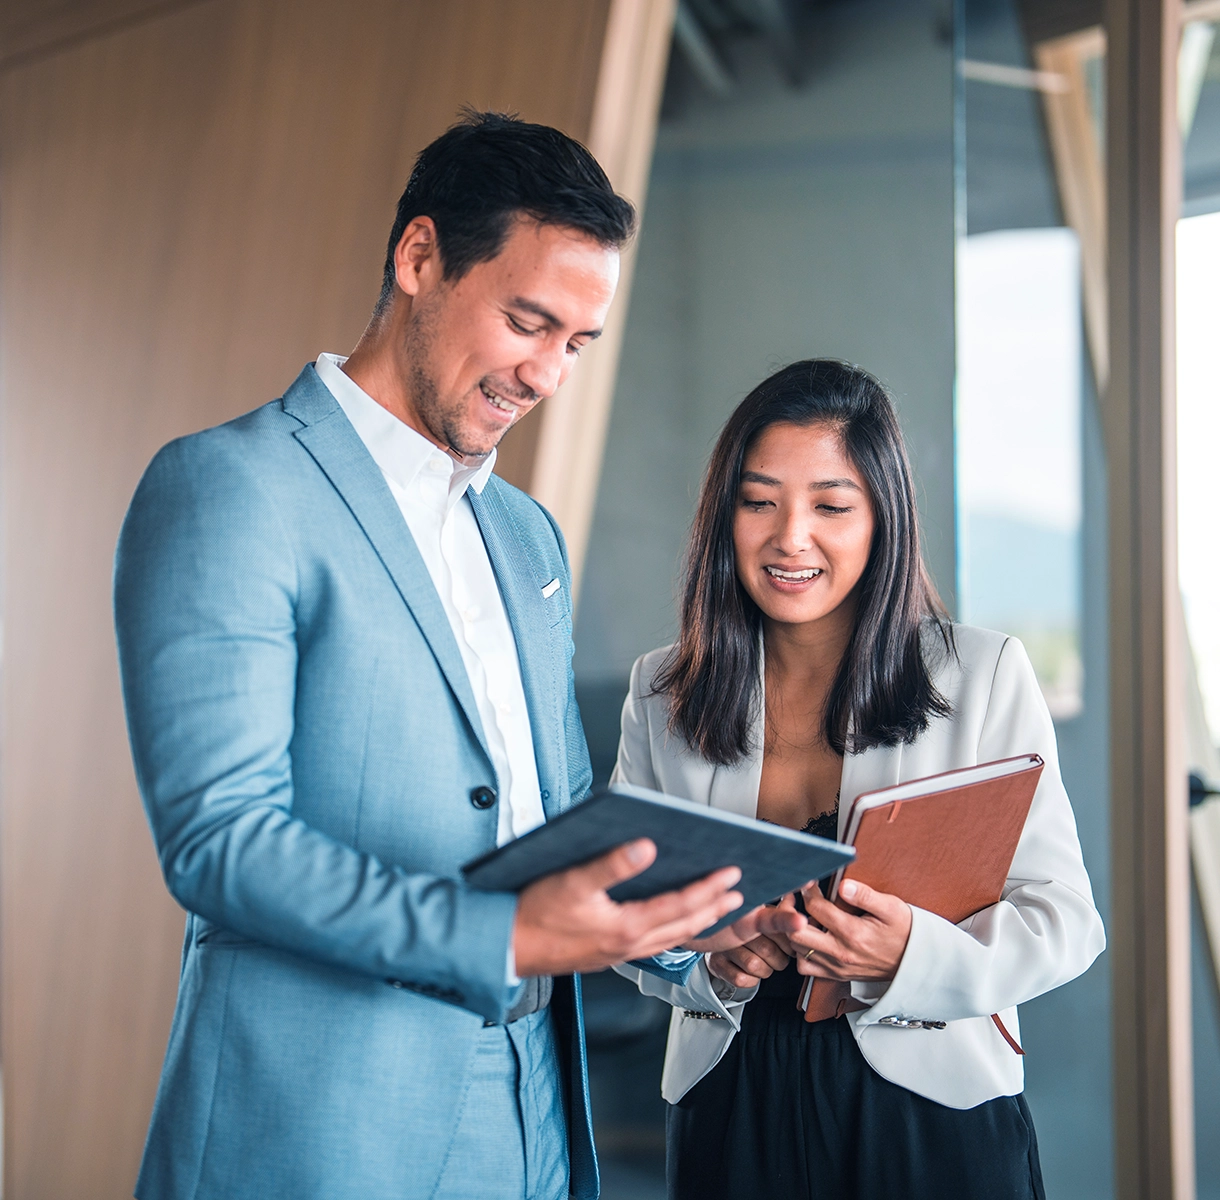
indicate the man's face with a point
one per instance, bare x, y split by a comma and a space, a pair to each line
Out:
481, 351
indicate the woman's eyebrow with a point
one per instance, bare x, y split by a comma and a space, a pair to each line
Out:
821, 485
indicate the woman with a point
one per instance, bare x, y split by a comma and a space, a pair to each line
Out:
815, 663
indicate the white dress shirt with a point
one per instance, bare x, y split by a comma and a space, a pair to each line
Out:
430, 489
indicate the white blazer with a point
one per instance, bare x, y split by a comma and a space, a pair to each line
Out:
1043, 933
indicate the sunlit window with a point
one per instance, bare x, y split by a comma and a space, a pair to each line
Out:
1198, 445
1018, 447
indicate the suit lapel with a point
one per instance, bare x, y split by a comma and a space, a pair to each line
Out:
521, 591
335, 446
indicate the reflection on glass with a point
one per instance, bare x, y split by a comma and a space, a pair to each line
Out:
1018, 447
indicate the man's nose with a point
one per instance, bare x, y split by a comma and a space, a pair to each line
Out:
544, 371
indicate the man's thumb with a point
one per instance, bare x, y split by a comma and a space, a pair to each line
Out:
624, 862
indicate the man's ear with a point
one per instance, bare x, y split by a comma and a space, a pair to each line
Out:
417, 258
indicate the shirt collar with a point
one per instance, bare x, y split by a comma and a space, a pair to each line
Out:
400, 451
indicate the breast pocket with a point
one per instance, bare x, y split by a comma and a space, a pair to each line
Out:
557, 602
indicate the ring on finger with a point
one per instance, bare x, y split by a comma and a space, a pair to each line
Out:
809, 956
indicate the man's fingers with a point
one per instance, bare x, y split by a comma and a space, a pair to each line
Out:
623, 862
695, 898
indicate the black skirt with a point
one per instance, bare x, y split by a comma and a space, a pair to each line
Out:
793, 1111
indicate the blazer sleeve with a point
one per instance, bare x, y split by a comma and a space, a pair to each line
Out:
1046, 929
206, 591
634, 763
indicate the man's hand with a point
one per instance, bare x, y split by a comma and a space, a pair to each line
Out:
566, 922
847, 947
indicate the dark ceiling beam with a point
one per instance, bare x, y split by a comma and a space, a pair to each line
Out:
1043, 20
701, 52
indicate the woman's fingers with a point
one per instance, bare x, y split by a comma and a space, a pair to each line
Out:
860, 895
722, 965
767, 949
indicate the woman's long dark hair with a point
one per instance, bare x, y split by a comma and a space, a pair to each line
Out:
883, 693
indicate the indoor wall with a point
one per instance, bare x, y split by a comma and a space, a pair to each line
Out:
194, 202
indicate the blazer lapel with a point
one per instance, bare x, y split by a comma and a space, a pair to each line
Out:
335, 446
735, 788
521, 591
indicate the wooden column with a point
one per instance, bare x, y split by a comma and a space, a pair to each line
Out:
1150, 922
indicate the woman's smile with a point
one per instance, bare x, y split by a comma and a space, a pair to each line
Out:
792, 579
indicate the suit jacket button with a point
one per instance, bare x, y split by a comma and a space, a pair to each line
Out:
482, 797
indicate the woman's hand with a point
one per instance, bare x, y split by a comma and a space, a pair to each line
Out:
745, 966
774, 921
869, 946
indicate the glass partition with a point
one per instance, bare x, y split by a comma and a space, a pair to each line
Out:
1031, 489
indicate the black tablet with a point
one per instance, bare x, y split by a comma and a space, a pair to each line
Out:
692, 840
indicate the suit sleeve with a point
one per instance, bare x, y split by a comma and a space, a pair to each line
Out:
1046, 930
205, 609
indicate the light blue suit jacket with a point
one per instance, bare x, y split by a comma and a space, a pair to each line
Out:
307, 743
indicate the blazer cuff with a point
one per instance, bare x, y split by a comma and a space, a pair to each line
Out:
918, 985
673, 966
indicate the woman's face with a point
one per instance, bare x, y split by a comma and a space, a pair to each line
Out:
804, 523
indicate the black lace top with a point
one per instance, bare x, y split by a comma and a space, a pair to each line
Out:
824, 826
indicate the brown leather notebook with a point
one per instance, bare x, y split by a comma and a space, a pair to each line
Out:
944, 844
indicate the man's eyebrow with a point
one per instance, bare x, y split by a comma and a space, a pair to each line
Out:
549, 317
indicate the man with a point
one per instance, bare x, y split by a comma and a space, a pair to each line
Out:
345, 649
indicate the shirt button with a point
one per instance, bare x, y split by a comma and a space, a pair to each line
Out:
471, 612
505, 709
437, 464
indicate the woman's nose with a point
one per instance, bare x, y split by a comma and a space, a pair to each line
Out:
792, 535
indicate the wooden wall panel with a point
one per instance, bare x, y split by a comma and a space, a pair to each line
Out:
190, 208
35, 27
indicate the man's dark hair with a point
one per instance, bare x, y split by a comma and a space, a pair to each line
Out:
883, 694
488, 169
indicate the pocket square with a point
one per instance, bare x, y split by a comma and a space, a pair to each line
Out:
550, 589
